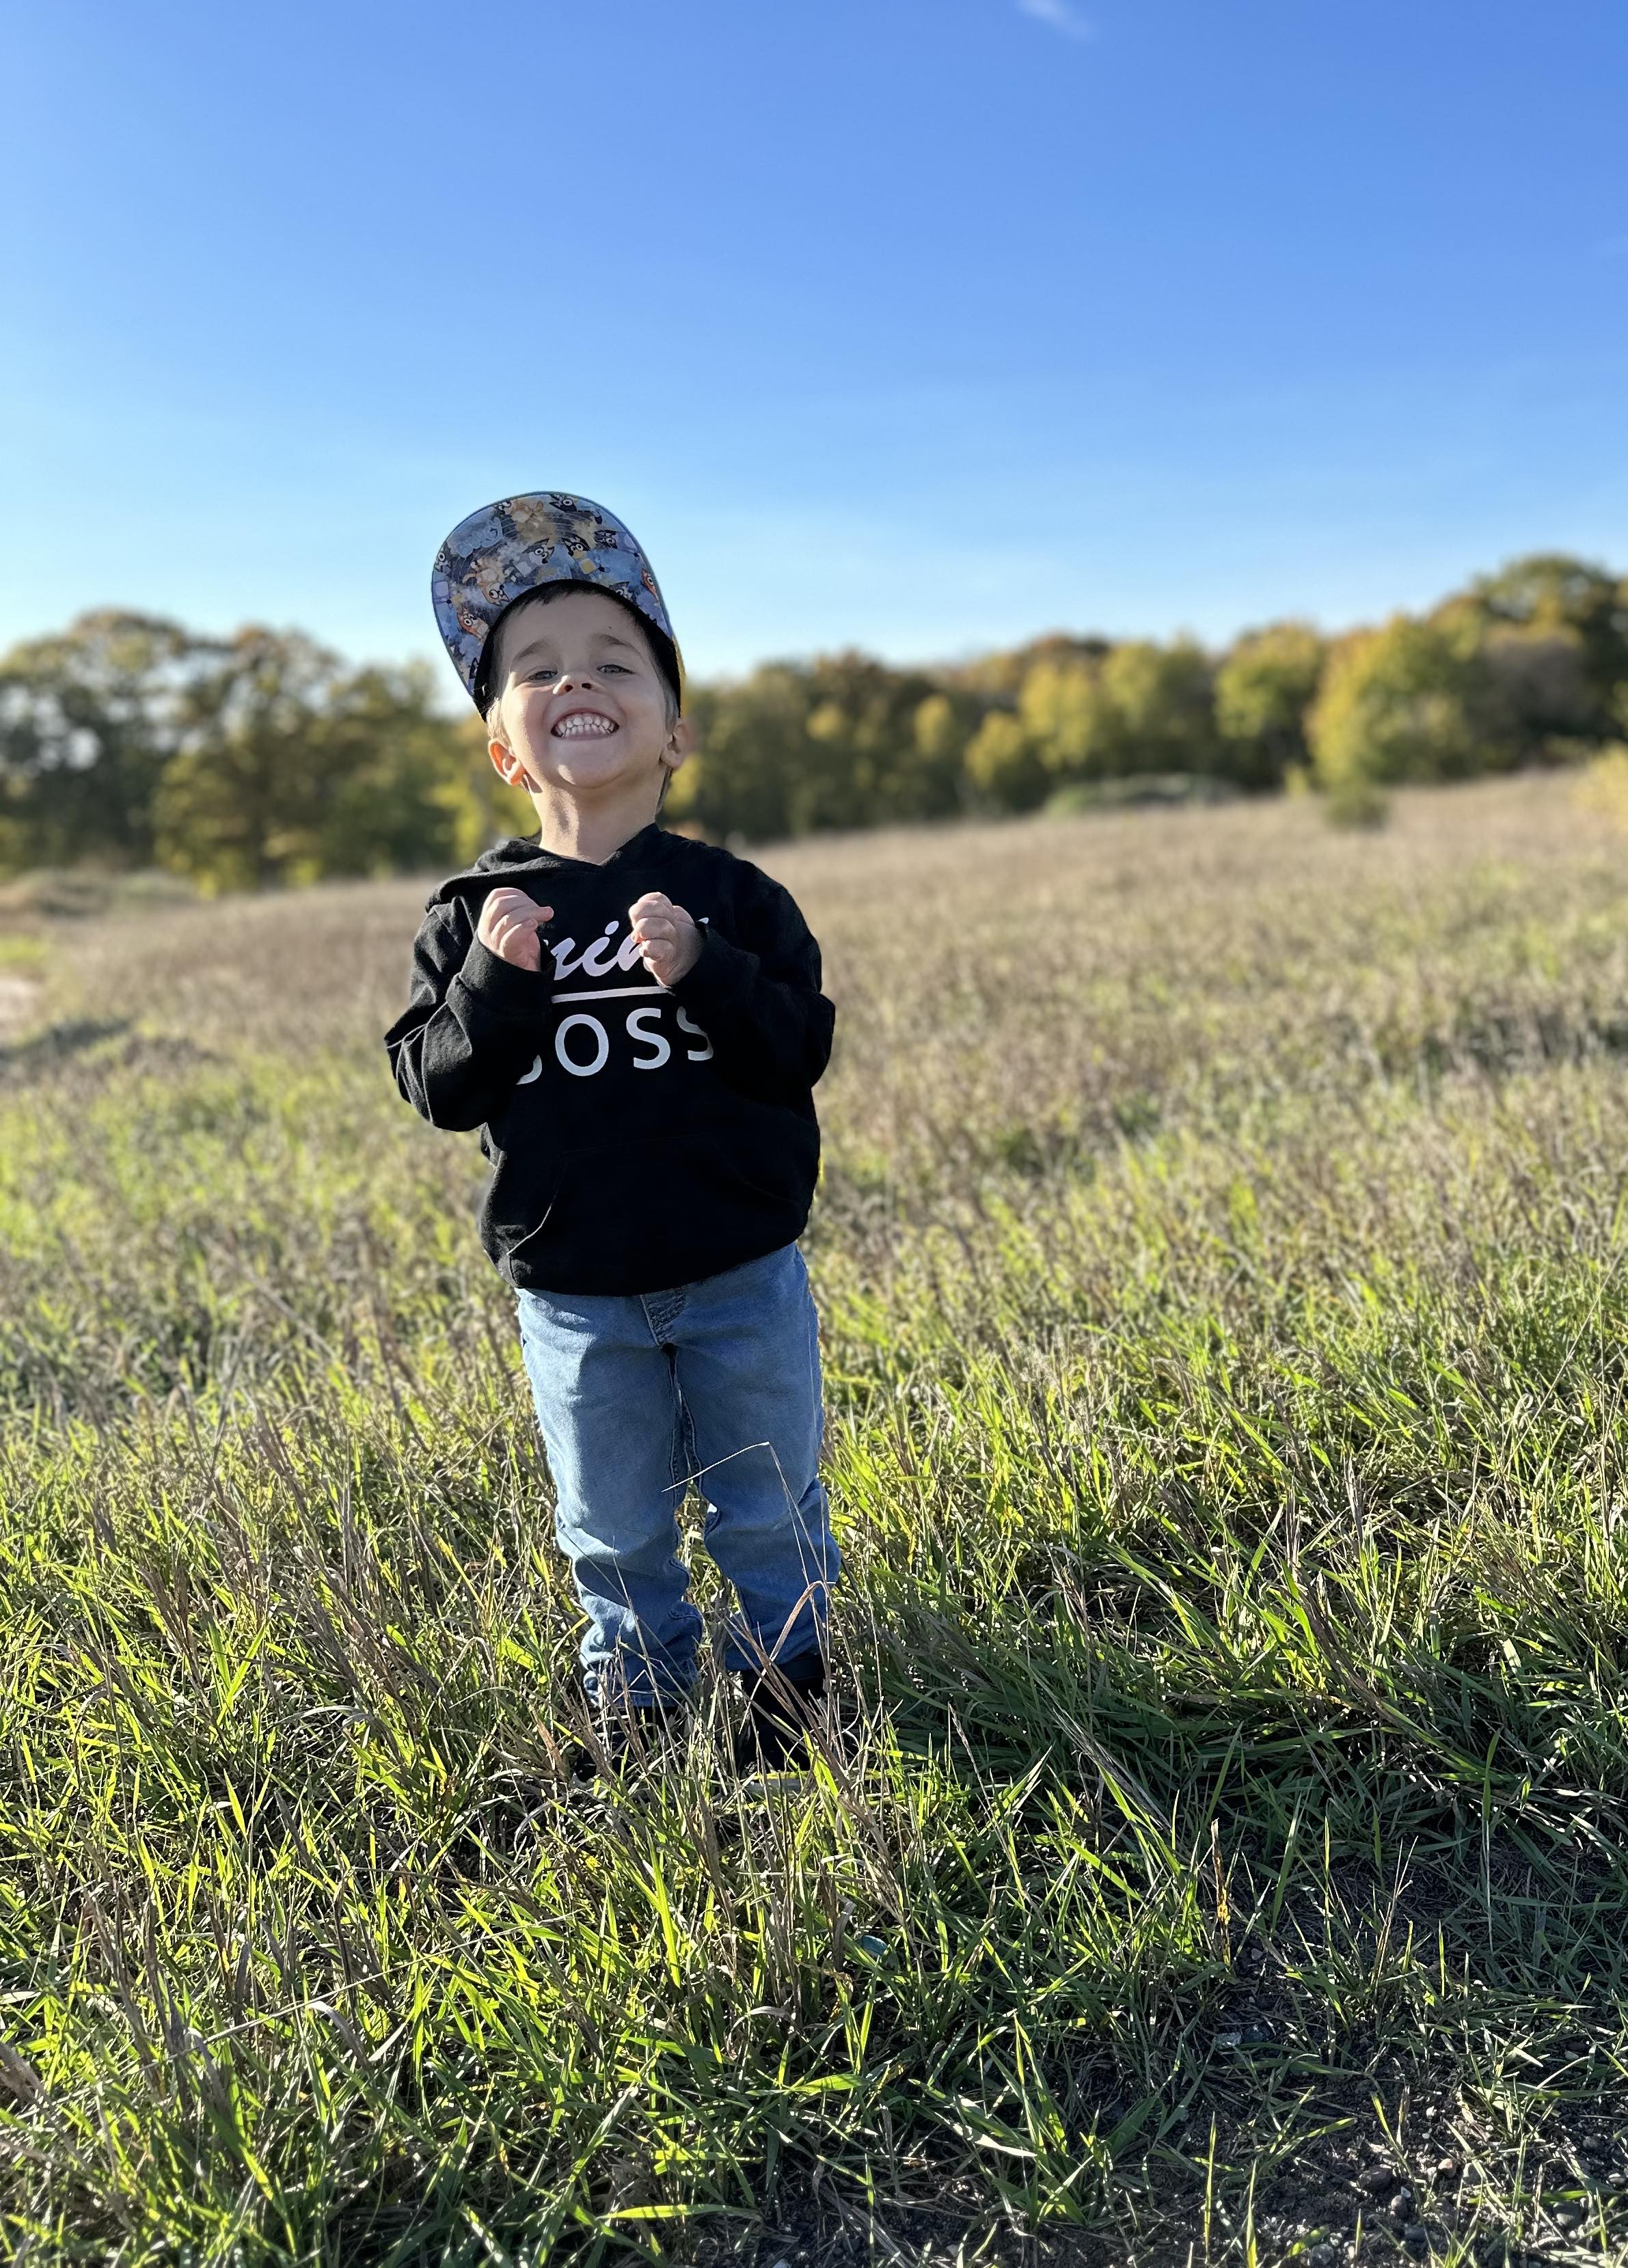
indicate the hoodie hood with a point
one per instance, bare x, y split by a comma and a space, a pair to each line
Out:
516, 856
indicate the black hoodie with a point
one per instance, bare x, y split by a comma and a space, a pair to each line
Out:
640, 1137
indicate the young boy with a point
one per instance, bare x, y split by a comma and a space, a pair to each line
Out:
635, 1022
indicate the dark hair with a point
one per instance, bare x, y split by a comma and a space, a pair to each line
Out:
662, 650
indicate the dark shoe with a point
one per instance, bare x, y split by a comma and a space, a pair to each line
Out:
782, 1709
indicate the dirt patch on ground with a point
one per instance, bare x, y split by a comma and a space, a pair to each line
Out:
18, 998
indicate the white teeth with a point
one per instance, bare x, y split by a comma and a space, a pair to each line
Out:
583, 724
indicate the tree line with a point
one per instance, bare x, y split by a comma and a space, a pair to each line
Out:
128, 740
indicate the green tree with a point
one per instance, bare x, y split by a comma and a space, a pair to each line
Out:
1004, 764
1132, 709
1412, 700
235, 807
89, 718
1263, 690
1138, 708
753, 743
940, 732
1576, 606
873, 766
1542, 677
840, 741
398, 785
290, 769
1161, 703
1067, 714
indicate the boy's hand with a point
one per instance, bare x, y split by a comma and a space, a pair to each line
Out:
508, 927
669, 940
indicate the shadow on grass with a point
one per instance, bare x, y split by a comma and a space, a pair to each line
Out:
59, 1041
1387, 2017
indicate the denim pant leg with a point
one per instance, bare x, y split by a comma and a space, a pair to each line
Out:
748, 1351
608, 1407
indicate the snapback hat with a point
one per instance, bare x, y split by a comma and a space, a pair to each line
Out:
507, 550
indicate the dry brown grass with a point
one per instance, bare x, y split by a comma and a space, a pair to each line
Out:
1029, 983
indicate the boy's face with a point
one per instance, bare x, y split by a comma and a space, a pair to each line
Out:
582, 708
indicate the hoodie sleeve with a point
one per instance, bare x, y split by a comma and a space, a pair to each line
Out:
473, 1023
759, 1000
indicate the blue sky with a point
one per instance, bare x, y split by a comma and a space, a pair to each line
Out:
922, 325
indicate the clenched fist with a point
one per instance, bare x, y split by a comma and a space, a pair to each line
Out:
509, 926
669, 941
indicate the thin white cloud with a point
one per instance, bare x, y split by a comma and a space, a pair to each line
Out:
1060, 17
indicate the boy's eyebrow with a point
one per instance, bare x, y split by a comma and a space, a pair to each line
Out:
540, 638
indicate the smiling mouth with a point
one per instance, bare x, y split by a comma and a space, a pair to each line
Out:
583, 725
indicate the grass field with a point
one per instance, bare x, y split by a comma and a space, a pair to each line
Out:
1221, 1254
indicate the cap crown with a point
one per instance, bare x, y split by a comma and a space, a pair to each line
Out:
521, 544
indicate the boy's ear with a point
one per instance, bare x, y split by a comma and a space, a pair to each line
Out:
507, 765
680, 744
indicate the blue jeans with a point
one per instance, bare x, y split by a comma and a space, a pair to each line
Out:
716, 1382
